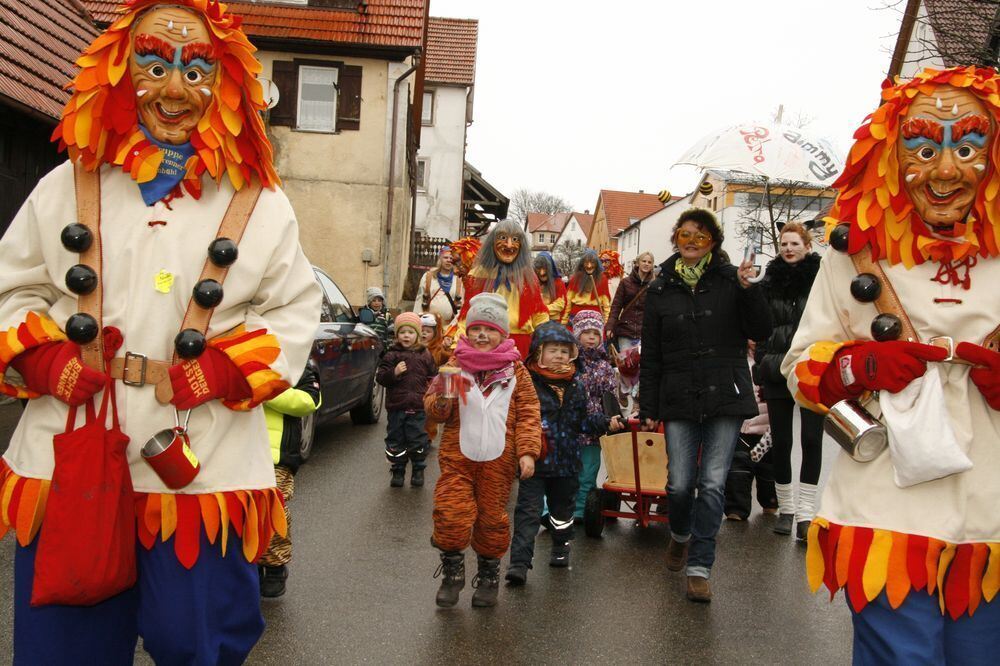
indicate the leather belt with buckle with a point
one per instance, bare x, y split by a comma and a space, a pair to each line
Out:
138, 370
947, 343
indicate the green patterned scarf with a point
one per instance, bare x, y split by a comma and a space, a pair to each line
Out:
691, 274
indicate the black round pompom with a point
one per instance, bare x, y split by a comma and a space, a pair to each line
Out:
81, 328
886, 327
76, 237
222, 252
866, 287
839, 237
81, 279
207, 293
190, 343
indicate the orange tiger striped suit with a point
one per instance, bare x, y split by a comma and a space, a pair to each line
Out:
470, 499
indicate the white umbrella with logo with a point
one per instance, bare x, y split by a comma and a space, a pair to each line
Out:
774, 152
771, 151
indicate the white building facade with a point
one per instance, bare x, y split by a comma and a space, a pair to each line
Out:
446, 115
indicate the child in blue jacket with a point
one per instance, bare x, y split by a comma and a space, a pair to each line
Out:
563, 402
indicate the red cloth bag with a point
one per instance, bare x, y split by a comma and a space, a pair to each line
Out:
86, 546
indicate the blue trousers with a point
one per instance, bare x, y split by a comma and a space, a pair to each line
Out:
590, 457
917, 633
697, 518
208, 615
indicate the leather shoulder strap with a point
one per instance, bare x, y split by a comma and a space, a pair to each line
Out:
233, 224
887, 301
88, 213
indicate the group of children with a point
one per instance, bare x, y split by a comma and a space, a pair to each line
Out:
537, 420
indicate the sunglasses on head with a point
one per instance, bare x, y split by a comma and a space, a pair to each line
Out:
700, 239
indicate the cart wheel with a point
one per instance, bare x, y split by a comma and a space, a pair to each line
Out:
593, 521
610, 502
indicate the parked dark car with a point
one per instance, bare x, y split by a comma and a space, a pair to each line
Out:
345, 354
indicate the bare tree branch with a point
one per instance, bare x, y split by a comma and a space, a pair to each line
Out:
524, 201
567, 255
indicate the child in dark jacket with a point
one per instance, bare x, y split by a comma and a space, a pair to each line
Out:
375, 303
405, 371
598, 379
563, 401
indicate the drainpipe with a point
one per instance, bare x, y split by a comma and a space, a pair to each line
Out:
392, 173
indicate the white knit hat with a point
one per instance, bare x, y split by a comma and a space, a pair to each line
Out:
427, 319
488, 310
373, 293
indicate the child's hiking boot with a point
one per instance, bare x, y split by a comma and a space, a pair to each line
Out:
486, 582
397, 478
517, 575
560, 555
417, 478
452, 574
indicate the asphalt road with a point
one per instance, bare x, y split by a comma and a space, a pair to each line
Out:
361, 587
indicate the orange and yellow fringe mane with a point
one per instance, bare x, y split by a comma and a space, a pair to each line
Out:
100, 122
879, 210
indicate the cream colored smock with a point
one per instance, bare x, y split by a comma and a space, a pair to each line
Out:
961, 508
270, 286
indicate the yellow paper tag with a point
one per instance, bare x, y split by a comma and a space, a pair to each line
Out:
164, 281
189, 454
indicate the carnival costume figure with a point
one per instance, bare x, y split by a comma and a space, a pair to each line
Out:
588, 289
552, 286
903, 320
503, 266
168, 158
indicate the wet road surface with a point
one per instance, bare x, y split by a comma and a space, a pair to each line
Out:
361, 589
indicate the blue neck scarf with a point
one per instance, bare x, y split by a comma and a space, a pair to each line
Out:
171, 171
445, 282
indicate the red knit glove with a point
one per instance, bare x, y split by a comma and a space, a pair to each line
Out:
876, 366
56, 369
212, 375
986, 374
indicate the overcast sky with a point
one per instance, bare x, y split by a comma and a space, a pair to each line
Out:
573, 96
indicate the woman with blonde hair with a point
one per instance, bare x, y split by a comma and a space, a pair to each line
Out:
625, 322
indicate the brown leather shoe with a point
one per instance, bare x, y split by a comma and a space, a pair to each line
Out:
699, 590
677, 555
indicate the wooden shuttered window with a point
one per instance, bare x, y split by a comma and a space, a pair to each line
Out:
349, 101
285, 74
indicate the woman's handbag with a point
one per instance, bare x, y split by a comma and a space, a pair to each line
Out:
86, 546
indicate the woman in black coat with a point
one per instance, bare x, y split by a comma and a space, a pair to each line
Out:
786, 286
699, 314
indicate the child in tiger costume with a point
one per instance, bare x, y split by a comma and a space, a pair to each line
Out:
490, 435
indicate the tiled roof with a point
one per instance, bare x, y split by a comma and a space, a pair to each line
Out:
39, 42
384, 23
620, 208
536, 220
961, 30
451, 50
585, 221
556, 223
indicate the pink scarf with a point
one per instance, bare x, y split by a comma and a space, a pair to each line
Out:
473, 361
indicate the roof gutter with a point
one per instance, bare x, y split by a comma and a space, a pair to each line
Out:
392, 171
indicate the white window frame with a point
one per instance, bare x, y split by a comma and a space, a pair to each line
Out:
336, 95
422, 183
427, 115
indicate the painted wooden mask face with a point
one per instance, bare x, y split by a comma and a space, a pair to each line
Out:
507, 247
173, 67
944, 147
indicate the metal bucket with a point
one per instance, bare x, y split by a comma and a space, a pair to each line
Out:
858, 432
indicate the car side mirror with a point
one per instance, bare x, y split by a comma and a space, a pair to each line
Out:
366, 316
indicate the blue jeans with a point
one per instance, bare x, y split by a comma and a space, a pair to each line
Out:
697, 518
917, 633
